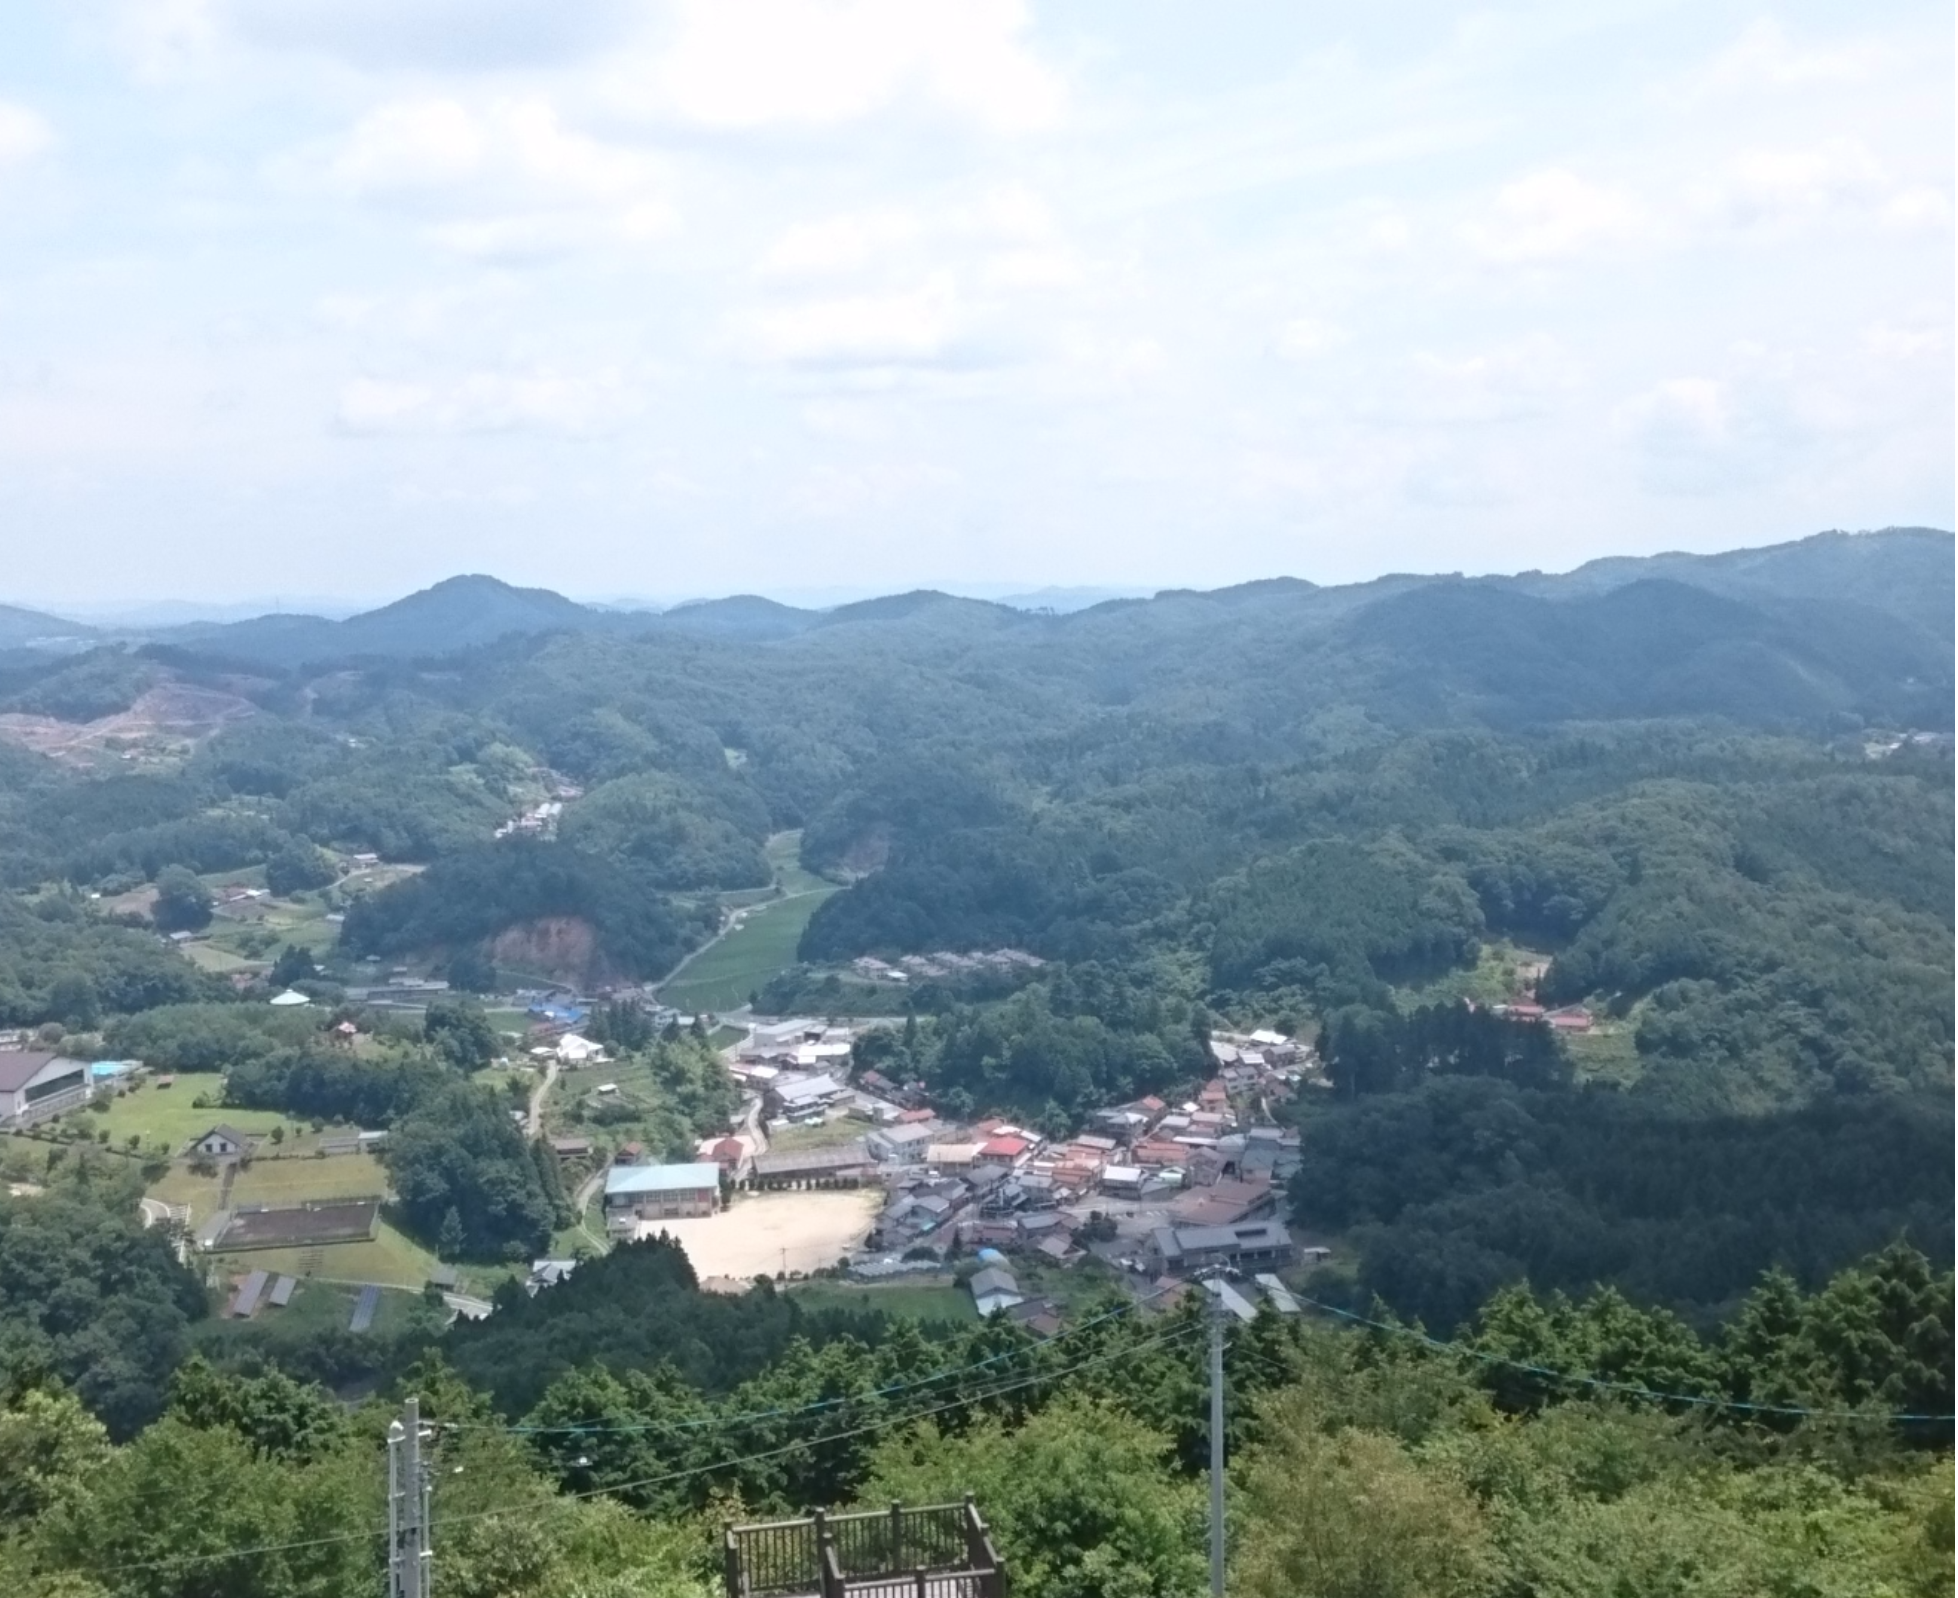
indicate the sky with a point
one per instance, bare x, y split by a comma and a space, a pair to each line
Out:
667, 298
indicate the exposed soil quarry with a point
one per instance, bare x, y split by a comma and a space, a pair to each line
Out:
166, 722
556, 948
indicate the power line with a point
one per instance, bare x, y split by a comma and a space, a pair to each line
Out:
181, 1560
1633, 1389
581, 1430
828, 1437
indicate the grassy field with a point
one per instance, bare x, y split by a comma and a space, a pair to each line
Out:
937, 1303
824, 1135
318, 1307
1608, 1053
167, 1119
784, 852
296, 921
723, 976
277, 1182
217, 959
391, 1259
285, 1182
1494, 979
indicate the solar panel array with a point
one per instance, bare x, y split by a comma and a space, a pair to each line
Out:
247, 1299
364, 1307
282, 1291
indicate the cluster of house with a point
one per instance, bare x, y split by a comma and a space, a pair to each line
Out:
797, 1067
1197, 1182
554, 1018
1571, 1018
400, 992
237, 901
539, 821
924, 967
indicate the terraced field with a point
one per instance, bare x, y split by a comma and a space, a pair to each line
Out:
759, 946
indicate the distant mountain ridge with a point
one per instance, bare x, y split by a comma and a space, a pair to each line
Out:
1789, 592
21, 628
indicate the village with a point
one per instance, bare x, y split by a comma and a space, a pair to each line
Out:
846, 1174
831, 1177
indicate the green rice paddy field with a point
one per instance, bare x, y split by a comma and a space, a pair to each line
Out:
763, 946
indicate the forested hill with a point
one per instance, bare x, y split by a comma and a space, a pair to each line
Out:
1707, 801
1901, 573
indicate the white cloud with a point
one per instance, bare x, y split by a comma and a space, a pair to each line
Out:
846, 243
1279, 281
1889, 342
24, 134
444, 35
505, 179
1010, 220
1702, 435
1306, 338
1776, 185
1554, 215
916, 326
829, 492
1838, 180
734, 64
485, 402
1058, 268
411, 145
1764, 56
1921, 209
1504, 383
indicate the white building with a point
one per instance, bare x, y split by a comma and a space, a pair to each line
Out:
904, 1144
35, 1085
805, 1095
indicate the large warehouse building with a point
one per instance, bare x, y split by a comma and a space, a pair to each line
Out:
35, 1084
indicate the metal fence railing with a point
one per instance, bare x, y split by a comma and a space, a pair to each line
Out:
934, 1551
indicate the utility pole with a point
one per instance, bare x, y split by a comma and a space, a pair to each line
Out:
1217, 1313
408, 1550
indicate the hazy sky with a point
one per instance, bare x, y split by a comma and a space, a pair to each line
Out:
621, 297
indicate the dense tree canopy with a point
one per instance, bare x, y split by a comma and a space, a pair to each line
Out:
89, 1297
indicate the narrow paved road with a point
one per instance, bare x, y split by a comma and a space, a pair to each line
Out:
536, 1122
586, 1190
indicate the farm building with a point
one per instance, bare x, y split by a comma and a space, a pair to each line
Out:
1259, 1245
35, 1084
663, 1192
995, 1289
839, 1167
804, 1095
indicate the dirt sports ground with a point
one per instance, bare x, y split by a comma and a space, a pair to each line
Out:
769, 1232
